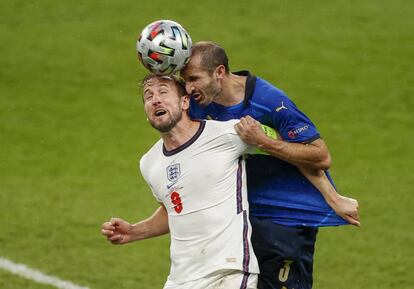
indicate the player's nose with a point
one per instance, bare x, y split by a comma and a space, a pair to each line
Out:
156, 99
189, 88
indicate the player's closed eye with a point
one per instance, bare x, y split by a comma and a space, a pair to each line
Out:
148, 96
191, 78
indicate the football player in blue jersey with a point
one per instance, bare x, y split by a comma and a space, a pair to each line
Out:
290, 191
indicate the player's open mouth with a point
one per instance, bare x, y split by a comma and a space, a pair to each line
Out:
196, 96
160, 112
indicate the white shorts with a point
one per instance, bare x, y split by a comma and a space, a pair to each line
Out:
224, 279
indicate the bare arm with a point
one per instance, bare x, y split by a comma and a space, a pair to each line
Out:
251, 132
344, 207
118, 231
314, 155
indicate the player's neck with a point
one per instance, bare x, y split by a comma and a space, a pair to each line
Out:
184, 130
233, 90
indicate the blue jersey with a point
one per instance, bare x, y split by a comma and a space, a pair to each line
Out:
277, 190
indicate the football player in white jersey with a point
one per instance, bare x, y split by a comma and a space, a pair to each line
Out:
197, 174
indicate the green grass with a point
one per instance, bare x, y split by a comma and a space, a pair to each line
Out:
72, 128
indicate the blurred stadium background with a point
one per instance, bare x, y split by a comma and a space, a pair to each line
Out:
72, 128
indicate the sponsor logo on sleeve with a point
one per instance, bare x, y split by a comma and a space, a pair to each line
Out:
295, 132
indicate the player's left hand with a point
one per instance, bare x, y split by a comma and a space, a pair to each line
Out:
250, 131
348, 209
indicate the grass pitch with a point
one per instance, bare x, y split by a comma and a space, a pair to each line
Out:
72, 128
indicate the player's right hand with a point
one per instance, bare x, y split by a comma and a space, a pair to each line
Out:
117, 231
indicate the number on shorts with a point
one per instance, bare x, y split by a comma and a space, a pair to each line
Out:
284, 271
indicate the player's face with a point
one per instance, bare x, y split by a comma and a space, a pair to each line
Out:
162, 104
200, 85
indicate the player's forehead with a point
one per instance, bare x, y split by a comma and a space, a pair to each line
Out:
193, 67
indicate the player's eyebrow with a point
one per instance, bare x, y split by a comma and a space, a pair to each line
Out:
192, 77
163, 85
160, 85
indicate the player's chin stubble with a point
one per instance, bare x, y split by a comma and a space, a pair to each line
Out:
168, 125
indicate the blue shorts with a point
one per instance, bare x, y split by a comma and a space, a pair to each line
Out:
285, 254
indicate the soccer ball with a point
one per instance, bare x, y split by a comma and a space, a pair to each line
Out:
164, 47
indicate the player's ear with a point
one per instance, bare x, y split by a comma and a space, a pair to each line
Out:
185, 102
220, 71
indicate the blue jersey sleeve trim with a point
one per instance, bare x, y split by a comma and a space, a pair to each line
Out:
268, 110
312, 139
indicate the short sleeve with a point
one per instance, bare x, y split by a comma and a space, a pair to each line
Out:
144, 172
292, 124
238, 143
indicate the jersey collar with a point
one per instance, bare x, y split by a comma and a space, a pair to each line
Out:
250, 85
185, 145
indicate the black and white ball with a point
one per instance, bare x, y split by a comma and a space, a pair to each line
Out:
164, 47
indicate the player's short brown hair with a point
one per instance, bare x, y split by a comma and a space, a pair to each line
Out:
212, 55
177, 80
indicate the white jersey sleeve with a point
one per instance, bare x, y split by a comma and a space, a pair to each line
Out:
145, 164
238, 143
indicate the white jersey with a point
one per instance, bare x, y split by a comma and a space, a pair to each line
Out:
202, 184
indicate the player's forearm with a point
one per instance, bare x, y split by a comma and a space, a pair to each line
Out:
302, 155
154, 226
319, 179
344, 207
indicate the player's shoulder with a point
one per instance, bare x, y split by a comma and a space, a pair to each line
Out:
267, 93
221, 127
268, 99
153, 153
223, 134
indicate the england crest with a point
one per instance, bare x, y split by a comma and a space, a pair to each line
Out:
173, 172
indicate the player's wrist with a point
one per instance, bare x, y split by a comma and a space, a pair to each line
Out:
270, 145
334, 199
138, 231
